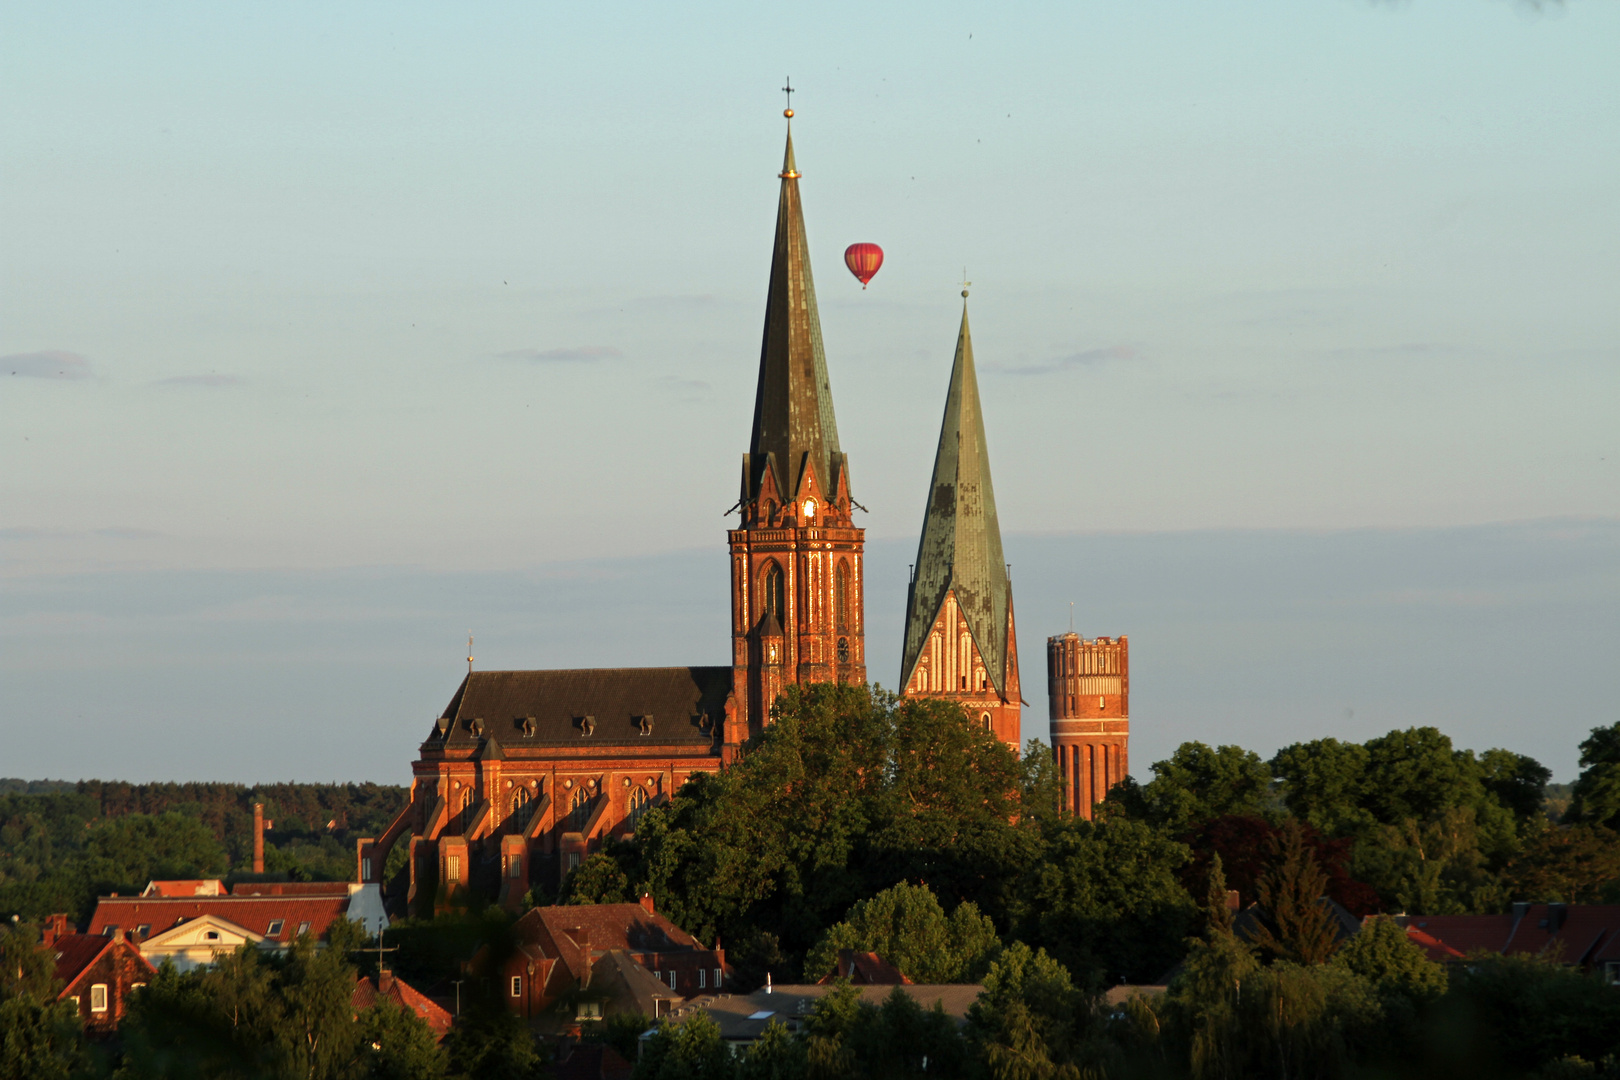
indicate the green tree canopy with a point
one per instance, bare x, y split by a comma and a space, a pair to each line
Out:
1198, 782
906, 926
1392, 962
1596, 798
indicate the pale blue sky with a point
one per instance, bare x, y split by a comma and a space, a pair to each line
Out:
475, 289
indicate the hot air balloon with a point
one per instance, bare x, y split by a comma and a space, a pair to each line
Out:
863, 261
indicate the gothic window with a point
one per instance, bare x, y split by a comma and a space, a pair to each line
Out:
772, 591
841, 595
984, 718
466, 808
520, 806
843, 650
639, 801
579, 807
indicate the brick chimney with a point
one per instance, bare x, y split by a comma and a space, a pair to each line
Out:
57, 926
258, 838
647, 903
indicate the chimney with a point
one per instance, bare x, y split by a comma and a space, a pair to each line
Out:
1232, 901
55, 927
258, 838
647, 903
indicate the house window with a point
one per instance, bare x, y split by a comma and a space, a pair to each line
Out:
142, 930
98, 998
274, 929
718, 974
573, 860
672, 980
75, 1000
702, 978
514, 867
517, 986
588, 1010
111, 930
639, 799
452, 867
303, 928
210, 935
133, 987
365, 869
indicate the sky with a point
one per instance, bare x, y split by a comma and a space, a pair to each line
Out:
327, 334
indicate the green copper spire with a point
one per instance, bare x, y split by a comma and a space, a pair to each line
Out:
793, 412
960, 549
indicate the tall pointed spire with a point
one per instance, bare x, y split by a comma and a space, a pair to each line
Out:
960, 550
793, 412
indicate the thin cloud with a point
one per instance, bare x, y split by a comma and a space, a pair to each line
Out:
30, 532
1083, 359
674, 384
51, 364
583, 354
210, 380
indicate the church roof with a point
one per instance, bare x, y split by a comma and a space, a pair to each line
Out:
549, 708
793, 410
960, 549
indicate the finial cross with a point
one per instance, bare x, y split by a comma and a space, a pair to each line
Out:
788, 90
966, 284
469, 653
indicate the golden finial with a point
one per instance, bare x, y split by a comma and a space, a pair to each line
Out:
965, 283
469, 652
788, 90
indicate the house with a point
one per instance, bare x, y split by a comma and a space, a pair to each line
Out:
98, 973
196, 929
1584, 935
367, 992
864, 969
582, 962
742, 1018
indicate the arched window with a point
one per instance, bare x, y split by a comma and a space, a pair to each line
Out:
466, 808
984, 718
579, 808
639, 801
841, 595
520, 806
772, 591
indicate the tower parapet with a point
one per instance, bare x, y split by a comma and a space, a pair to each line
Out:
1088, 686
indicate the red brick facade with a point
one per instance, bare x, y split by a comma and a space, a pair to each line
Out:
1088, 685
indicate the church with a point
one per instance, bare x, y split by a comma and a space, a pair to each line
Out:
525, 773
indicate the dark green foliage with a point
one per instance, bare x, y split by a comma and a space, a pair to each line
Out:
620, 1031
689, 1050
906, 926
1294, 923
490, 1043
1105, 895
850, 791
1383, 955
1572, 864
1197, 783
61, 845
39, 1036
1596, 796
1518, 1014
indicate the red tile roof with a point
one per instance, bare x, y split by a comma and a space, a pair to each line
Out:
407, 997
75, 952
255, 913
864, 969
1574, 933
572, 932
1465, 933
1437, 950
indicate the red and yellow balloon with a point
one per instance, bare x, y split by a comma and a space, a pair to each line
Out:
863, 261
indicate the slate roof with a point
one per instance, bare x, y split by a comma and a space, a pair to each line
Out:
547, 708
960, 548
616, 975
793, 410
255, 913
743, 1017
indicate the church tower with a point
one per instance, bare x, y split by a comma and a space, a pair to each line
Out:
797, 574
960, 642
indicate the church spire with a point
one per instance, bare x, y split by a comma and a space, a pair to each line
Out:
794, 426
960, 550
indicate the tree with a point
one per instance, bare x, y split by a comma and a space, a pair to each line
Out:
1596, 798
775, 1055
394, 1044
1572, 864
1392, 962
132, 850
1205, 999
1030, 1021
1105, 895
39, 1036
1296, 925
1197, 783
1324, 783
1433, 868
689, 1050
901, 1038
1244, 845
906, 926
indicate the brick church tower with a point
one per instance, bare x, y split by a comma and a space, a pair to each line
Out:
960, 640
797, 579
1089, 686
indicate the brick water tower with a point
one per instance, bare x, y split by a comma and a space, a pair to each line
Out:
1088, 685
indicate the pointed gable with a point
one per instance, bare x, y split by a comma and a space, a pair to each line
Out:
793, 412
960, 550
